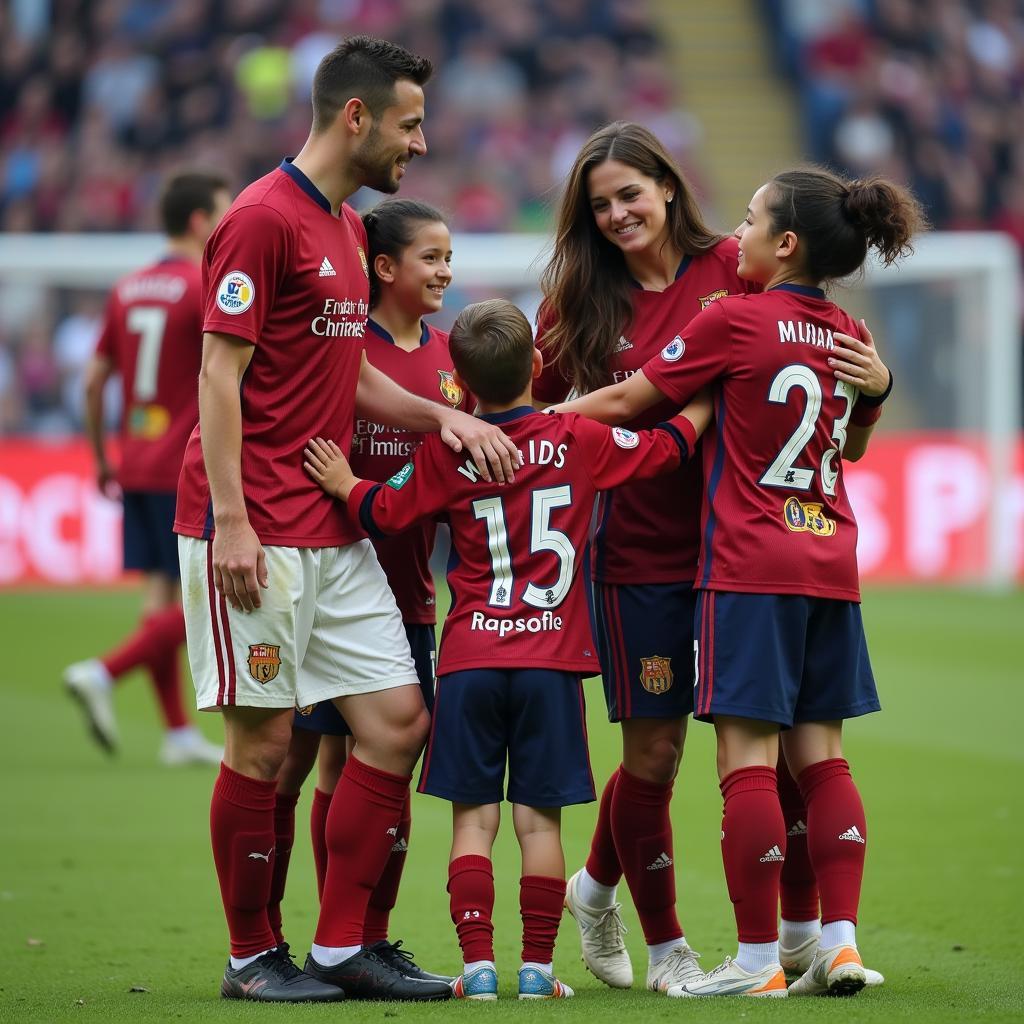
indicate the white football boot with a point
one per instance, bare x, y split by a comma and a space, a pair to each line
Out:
676, 968
729, 979
90, 684
601, 931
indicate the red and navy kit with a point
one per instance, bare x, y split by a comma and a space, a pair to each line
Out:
648, 531
777, 520
380, 450
284, 274
516, 549
152, 336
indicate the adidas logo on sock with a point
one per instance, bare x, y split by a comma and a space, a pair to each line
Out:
799, 829
326, 270
853, 834
400, 847
772, 855
663, 860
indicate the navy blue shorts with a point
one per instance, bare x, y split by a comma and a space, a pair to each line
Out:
327, 720
148, 526
645, 643
781, 658
534, 718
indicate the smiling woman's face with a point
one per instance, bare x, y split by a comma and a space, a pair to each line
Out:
630, 209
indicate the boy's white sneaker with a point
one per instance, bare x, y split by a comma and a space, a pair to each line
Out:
835, 972
601, 931
677, 967
729, 979
797, 961
89, 683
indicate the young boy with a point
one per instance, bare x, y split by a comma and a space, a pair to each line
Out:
517, 639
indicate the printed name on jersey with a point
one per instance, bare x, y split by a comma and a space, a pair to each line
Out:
543, 623
536, 453
656, 674
450, 391
235, 293
805, 333
625, 438
401, 478
807, 517
706, 300
623, 344
674, 350
264, 662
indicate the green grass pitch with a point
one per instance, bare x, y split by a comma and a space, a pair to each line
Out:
107, 883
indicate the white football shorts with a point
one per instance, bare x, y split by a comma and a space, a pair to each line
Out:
328, 627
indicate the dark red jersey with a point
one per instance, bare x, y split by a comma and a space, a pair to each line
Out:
153, 337
284, 274
517, 597
648, 531
777, 519
379, 451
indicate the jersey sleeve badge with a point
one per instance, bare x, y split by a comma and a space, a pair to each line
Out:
401, 478
674, 350
450, 391
235, 292
625, 438
656, 674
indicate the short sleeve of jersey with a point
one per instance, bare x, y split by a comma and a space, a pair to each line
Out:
245, 261
614, 455
697, 356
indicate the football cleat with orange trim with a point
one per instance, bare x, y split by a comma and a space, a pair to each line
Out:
729, 979
834, 972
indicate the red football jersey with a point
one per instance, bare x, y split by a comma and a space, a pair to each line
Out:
777, 519
379, 450
153, 337
648, 531
514, 574
281, 272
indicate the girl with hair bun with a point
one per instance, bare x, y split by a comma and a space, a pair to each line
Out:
780, 643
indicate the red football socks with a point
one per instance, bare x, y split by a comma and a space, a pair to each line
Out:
643, 838
284, 838
753, 850
798, 889
385, 894
361, 828
603, 863
318, 834
471, 887
836, 836
540, 904
242, 833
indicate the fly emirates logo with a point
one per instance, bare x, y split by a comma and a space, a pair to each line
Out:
341, 318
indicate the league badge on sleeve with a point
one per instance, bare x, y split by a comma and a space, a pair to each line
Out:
235, 292
674, 350
625, 438
449, 389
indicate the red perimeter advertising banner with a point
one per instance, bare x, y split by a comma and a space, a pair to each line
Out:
922, 502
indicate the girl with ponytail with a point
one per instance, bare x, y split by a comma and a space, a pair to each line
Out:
797, 388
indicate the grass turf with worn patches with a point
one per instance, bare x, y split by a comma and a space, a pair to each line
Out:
107, 882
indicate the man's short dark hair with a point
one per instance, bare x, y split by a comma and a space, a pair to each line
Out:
184, 194
367, 68
491, 346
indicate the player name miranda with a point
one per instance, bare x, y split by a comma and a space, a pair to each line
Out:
801, 333
326, 326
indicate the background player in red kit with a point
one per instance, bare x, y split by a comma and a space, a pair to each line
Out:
410, 254
633, 261
285, 602
152, 339
780, 642
517, 603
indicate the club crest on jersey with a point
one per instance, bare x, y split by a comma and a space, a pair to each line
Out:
625, 438
362, 261
401, 478
235, 292
449, 389
264, 662
656, 674
718, 293
673, 350
807, 517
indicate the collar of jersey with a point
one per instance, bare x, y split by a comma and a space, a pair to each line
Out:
800, 289
684, 264
305, 184
385, 335
508, 415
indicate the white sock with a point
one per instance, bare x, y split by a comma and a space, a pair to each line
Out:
238, 962
546, 968
182, 734
838, 933
476, 965
796, 933
593, 893
755, 956
660, 950
331, 956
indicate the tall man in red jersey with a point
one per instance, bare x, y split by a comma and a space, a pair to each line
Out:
152, 338
284, 603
